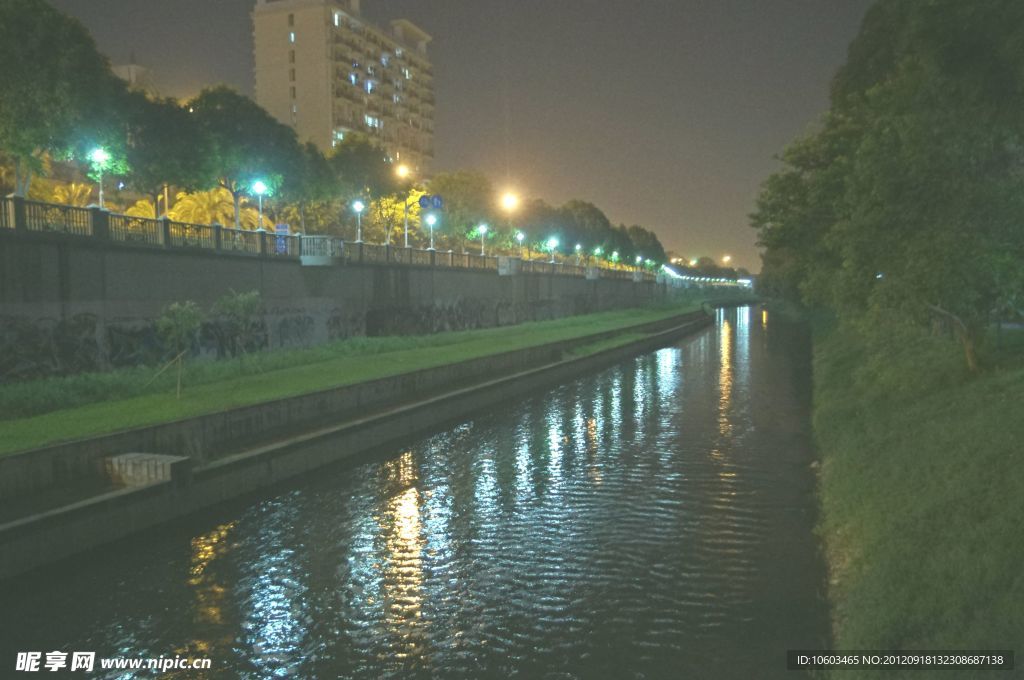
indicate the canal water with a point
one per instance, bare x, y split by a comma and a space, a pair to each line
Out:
651, 520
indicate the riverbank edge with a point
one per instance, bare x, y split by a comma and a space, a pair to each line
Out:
52, 535
918, 499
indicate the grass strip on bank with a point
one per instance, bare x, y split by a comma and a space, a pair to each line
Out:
275, 375
922, 491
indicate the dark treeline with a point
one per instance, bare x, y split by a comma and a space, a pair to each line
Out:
905, 208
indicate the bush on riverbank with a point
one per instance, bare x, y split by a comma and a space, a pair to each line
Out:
922, 488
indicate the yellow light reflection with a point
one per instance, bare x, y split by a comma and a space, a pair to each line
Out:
208, 592
403, 576
764, 318
725, 378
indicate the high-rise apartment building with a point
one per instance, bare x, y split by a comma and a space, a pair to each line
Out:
324, 70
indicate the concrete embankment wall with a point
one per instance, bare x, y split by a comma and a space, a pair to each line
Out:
49, 536
82, 303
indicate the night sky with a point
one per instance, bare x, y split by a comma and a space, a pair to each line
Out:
665, 113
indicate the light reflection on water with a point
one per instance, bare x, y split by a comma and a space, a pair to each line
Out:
653, 519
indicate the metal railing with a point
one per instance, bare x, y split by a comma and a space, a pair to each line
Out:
20, 215
185, 235
62, 218
136, 230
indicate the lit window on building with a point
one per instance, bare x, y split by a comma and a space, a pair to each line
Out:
369, 86
405, 72
396, 99
372, 121
353, 78
384, 59
337, 19
291, 36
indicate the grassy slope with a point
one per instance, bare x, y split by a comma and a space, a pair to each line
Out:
228, 385
922, 498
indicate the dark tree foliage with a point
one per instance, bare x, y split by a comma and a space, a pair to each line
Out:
908, 201
57, 94
246, 144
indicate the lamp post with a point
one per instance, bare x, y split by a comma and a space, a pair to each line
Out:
359, 206
482, 230
99, 157
431, 221
552, 244
509, 202
597, 253
259, 188
403, 172
579, 250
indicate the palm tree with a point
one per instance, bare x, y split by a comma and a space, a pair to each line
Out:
142, 208
76, 194
215, 205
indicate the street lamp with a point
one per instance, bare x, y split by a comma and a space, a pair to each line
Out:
482, 230
431, 221
403, 172
519, 239
99, 157
509, 201
259, 188
727, 259
359, 206
579, 249
552, 244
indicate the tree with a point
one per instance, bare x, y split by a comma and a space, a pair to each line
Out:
240, 314
907, 203
362, 169
165, 147
246, 143
310, 192
177, 326
215, 205
57, 93
468, 202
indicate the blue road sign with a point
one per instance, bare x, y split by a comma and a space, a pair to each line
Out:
436, 201
424, 201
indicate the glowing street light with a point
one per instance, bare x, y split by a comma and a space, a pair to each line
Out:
431, 221
552, 244
727, 259
509, 201
693, 262
99, 157
259, 188
482, 230
359, 207
578, 249
402, 171
615, 256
